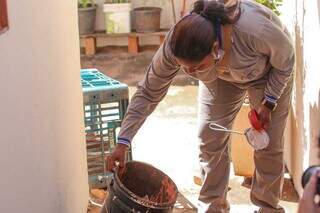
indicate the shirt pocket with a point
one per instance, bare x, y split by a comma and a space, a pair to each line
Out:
248, 69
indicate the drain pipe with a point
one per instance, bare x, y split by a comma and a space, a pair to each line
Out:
173, 12
183, 10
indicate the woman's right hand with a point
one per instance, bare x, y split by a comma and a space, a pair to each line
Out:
117, 157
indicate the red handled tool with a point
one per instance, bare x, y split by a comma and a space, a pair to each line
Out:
254, 120
255, 135
257, 139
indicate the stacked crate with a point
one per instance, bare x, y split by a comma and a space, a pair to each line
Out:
105, 102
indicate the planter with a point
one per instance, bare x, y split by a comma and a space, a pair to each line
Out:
117, 17
86, 20
147, 19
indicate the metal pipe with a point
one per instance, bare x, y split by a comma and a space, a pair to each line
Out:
173, 12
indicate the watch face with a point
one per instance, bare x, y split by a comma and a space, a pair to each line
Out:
269, 105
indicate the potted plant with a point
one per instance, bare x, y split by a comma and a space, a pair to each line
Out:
117, 16
273, 5
146, 19
87, 16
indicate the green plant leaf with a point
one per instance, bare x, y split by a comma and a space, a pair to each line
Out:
272, 4
84, 3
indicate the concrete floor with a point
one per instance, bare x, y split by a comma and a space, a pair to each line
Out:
168, 137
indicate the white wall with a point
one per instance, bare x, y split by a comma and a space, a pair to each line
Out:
42, 153
303, 20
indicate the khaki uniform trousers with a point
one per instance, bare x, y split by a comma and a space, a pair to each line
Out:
220, 101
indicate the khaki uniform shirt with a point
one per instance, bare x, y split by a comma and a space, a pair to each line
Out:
261, 46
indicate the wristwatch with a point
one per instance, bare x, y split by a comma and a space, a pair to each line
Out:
270, 104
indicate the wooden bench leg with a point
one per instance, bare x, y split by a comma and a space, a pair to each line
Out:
90, 46
161, 38
133, 44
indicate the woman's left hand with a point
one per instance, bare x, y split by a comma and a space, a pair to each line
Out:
264, 116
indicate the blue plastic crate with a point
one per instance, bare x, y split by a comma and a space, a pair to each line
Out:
93, 82
105, 102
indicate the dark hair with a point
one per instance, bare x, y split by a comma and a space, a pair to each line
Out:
193, 36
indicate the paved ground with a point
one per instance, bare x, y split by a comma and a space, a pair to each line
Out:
168, 138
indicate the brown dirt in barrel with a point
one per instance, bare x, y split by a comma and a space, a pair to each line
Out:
160, 193
167, 192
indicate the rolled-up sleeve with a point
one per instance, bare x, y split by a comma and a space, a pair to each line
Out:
150, 91
275, 43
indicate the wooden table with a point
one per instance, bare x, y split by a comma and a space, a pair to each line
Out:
90, 40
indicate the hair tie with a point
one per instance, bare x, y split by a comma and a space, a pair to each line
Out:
204, 15
217, 29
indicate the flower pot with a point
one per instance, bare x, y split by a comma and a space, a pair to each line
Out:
147, 19
117, 17
86, 20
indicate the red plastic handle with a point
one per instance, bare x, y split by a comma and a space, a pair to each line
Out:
254, 120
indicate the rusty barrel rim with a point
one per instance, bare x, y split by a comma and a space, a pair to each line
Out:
140, 200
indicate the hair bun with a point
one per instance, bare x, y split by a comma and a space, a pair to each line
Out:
211, 10
198, 6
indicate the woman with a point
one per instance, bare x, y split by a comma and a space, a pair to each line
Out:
233, 48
